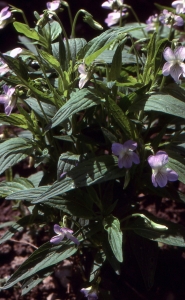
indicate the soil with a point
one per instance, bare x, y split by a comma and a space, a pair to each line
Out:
67, 279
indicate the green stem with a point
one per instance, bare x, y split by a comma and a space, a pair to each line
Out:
162, 83
135, 16
74, 23
15, 9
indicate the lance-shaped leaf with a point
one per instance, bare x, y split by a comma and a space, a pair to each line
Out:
43, 258
80, 100
158, 230
17, 120
115, 236
14, 150
161, 103
91, 171
18, 184
30, 33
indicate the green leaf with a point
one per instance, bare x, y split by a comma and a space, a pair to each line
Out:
167, 233
19, 225
161, 103
80, 100
66, 162
75, 45
49, 109
107, 57
36, 178
30, 33
146, 253
115, 236
116, 64
43, 258
121, 119
51, 60
52, 30
177, 163
18, 184
86, 173
14, 150
14, 120
109, 254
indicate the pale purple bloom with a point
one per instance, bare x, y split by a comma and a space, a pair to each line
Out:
166, 17
152, 22
54, 5
89, 293
180, 6
160, 173
5, 15
84, 75
13, 53
61, 233
112, 4
114, 17
174, 65
126, 154
9, 99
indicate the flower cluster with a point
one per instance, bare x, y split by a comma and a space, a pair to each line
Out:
118, 11
160, 173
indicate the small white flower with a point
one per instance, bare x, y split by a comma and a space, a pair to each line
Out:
180, 6
174, 65
84, 75
114, 17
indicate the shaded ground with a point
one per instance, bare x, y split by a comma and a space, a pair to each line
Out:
67, 280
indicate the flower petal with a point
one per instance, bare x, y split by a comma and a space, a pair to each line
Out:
3, 99
117, 148
135, 158
161, 179
171, 175
15, 52
8, 109
57, 239
130, 145
158, 160
57, 229
125, 161
154, 180
168, 54
107, 4
166, 68
180, 53
72, 238
175, 72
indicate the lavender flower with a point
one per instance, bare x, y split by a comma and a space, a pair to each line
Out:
180, 6
114, 17
84, 75
160, 174
112, 4
126, 154
167, 16
152, 22
174, 65
89, 293
13, 53
5, 15
9, 99
61, 233
54, 5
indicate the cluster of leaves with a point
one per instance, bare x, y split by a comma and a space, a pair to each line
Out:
67, 134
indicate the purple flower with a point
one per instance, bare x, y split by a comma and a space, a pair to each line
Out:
167, 16
152, 22
126, 154
174, 65
54, 5
112, 4
180, 6
9, 99
160, 174
114, 17
89, 293
61, 233
5, 15
84, 75
13, 53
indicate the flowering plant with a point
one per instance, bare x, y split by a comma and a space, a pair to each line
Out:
101, 122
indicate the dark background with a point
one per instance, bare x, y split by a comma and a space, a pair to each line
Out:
8, 35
